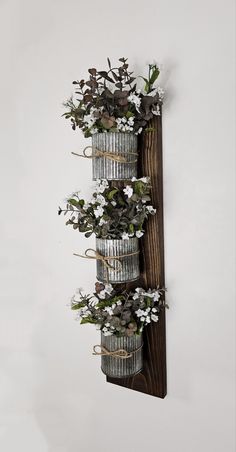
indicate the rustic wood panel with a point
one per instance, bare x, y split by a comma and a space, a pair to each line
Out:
152, 380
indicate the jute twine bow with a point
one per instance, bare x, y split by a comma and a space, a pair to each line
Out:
107, 154
119, 353
105, 259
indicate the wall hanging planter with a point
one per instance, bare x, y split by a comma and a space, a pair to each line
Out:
115, 155
128, 303
123, 260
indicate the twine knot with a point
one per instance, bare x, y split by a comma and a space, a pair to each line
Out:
105, 259
119, 353
106, 154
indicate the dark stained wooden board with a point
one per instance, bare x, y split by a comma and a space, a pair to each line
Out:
152, 379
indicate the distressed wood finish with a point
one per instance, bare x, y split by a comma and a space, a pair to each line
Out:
152, 380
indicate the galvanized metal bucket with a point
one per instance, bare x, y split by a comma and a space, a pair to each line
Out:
110, 146
114, 366
121, 263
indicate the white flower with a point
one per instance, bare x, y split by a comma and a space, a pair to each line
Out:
154, 317
113, 203
108, 288
102, 221
131, 121
125, 125
98, 212
154, 310
139, 234
139, 290
135, 297
93, 130
89, 120
125, 236
109, 310
148, 320
119, 302
85, 312
134, 179
101, 200
161, 93
101, 185
139, 130
102, 294
149, 294
145, 180
140, 313
135, 99
142, 319
156, 296
156, 110
128, 190
151, 209
108, 333
107, 324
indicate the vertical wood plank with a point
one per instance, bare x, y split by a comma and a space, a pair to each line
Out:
152, 379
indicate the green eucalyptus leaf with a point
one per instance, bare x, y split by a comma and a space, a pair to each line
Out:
87, 320
79, 305
110, 195
73, 202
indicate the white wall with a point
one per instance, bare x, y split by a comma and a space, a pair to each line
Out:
53, 396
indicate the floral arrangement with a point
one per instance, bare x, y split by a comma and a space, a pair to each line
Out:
113, 212
118, 313
110, 101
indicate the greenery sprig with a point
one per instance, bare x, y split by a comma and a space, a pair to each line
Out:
113, 212
111, 101
118, 313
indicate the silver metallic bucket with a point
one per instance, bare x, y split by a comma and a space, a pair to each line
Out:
117, 144
124, 268
116, 367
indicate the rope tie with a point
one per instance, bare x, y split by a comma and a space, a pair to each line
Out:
105, 259
119, 353
106, 154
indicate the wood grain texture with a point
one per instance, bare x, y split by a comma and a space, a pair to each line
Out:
152, 379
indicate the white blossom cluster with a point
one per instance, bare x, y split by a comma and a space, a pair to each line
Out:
148, 314
101, 185
90, 119
128, 191
125, 124
116, 315
106, 291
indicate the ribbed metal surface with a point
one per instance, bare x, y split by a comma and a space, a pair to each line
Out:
118, 367
118, 143
127, 269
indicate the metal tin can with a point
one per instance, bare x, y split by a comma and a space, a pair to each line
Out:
123, 260
116, 144
114, 366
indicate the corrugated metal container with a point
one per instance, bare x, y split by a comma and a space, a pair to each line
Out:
117, 367
117, 144
125, 267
